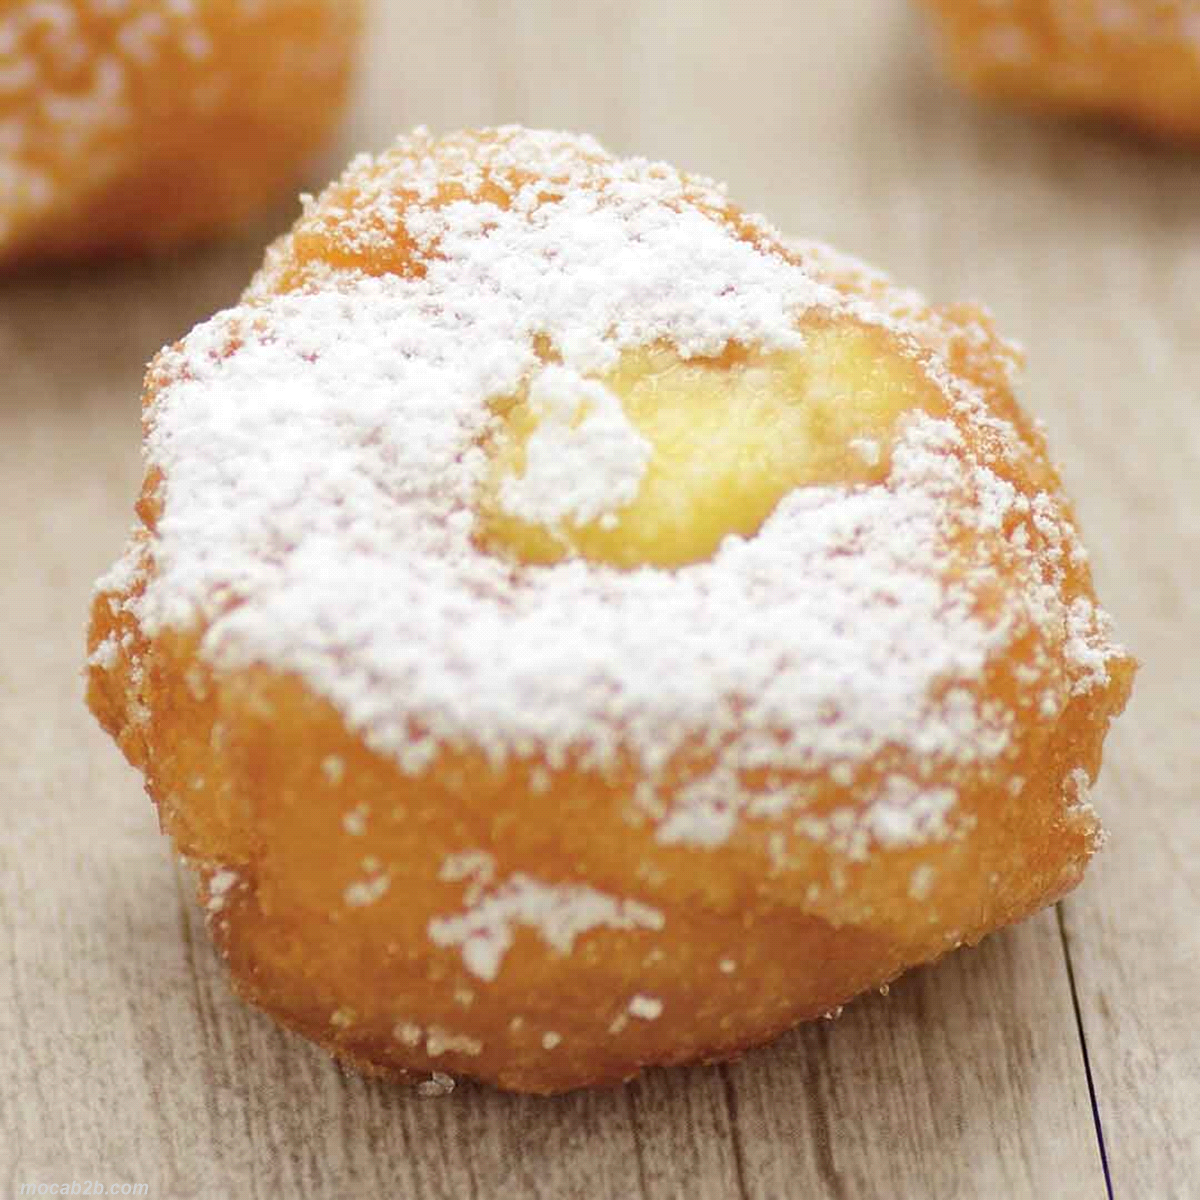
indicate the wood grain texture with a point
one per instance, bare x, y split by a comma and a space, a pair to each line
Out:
128, 1060
1087, 246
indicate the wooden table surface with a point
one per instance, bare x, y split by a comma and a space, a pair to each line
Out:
1054, 1054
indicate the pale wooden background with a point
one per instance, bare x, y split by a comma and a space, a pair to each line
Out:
124, 1057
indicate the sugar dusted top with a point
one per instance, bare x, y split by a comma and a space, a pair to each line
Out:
321, 450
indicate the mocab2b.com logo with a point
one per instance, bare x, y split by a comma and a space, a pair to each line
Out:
85, 1187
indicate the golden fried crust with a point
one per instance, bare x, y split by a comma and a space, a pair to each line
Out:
239, 770
322, 862
138, 129
1137, 64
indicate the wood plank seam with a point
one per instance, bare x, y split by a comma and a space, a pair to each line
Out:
643, 1186
735, 1130
1087, 1062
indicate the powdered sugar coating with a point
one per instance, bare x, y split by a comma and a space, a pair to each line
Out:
322, 461
559, 913
584, 460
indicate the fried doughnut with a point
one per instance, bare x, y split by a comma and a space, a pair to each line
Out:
133, 125
570, 628
1136, 62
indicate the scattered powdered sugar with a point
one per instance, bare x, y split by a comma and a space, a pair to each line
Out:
1077, 789
106, 655
408, 1033
438, 1041
920, 882
584, 460
558, 913
645, 1008
354, 822
703, 812
220, 884
367, 891
343, 1018
905, 814
322, 464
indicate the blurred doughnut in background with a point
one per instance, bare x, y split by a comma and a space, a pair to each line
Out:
134, 125
1135, 62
